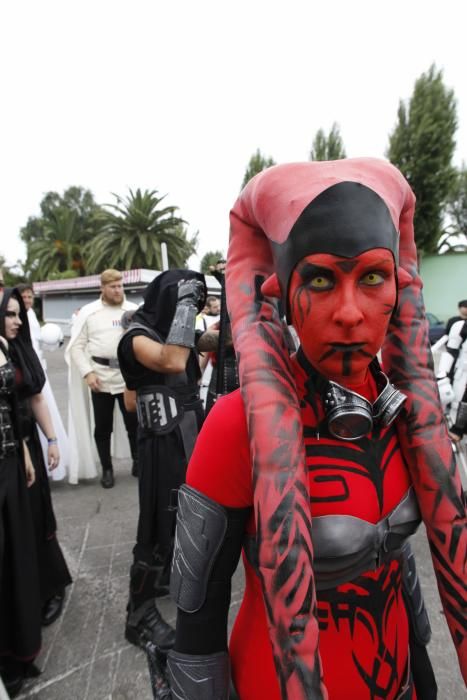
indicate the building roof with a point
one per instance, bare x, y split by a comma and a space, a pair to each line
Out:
131, 278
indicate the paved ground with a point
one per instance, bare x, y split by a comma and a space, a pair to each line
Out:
85, 655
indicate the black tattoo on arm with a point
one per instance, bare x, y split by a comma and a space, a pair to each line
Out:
208, 342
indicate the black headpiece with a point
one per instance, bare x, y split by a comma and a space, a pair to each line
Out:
22, 353
160, 300
346, 219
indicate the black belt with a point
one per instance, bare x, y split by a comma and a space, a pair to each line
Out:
112, 363
160, 410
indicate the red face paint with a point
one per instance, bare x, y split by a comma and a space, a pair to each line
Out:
340, 308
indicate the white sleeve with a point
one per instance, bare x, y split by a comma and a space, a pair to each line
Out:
78, 351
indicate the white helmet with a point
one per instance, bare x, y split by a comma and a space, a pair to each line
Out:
51, 336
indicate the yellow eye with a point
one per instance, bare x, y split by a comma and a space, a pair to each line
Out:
372, 279
321, 282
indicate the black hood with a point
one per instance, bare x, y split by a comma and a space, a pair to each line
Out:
346, 219
160, 300
22, 352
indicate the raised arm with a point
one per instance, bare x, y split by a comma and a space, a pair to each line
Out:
171, 357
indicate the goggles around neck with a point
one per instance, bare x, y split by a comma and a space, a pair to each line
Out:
351, 416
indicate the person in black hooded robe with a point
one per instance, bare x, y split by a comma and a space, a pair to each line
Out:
53, 571
20, 619
159, 362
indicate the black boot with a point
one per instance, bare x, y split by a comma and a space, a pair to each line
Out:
146, 624
14, 673
107, 480
103, 450
144, 621
52, 608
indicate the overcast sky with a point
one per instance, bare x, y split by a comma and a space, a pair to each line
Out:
176, 95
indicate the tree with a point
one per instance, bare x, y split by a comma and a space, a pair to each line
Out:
328, 147
55, 240
209, 260
421, 146
60, 248
11, 274
132, 231
455, 238
256, 164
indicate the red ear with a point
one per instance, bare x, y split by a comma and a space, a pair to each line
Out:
403, 278
270, 287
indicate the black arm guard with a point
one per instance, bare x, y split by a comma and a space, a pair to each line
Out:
200, 532
190, 300
182, 330
203, 677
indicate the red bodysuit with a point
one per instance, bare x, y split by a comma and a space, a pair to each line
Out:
363, 628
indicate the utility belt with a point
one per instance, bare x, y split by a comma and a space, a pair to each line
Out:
161, 409
110, 362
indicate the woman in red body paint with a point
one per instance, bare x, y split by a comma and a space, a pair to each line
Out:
319, 453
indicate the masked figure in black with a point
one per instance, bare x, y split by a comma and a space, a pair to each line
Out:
160, 366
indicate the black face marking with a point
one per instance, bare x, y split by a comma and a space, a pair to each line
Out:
347, 265
301, 304
350, 347
346, 363
307, 271
347, 355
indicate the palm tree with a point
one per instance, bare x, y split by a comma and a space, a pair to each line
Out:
132, 231
59, 249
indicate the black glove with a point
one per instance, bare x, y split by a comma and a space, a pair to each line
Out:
191, 292
191, 297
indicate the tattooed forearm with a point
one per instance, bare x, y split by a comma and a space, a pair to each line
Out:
208, 342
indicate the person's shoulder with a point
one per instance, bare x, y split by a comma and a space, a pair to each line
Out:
220, 465
88, 310
226, 422
90, 306
138, 329
457, 327
229, 406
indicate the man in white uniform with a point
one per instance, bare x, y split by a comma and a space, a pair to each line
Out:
93, 352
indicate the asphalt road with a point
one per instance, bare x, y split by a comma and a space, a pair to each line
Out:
85, 655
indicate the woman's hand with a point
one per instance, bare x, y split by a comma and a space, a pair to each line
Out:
28, 467
53, 457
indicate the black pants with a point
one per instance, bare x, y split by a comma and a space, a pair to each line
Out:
103, 405
162, 465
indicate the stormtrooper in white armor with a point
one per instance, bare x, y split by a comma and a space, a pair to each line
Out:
452, 379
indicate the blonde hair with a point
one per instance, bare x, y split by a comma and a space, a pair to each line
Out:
111, 275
